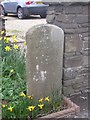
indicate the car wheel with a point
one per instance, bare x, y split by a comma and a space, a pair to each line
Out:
20, 13
43, 16
3, 11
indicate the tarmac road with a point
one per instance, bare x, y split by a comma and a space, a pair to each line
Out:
20, 26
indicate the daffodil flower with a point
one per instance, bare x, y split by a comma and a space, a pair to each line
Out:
41, 100
31, 108
7, 40
41, 106
47, 99
15, 46
22, 94
7, 48
14, 36
10, 109
30, 97
3, 106
2, 32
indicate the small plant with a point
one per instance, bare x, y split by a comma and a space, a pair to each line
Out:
13, 72
27, 106
13, 79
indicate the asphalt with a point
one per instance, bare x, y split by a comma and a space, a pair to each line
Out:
83, 100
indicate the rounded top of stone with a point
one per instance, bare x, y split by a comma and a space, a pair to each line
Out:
31, 30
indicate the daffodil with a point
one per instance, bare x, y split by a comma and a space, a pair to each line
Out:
10, 109
15, 46
6, 40
14, 36
41, 106
25, 43
47, 99
22, 94
41, 100
0, 38
3, 106
2, 32
31, 108
30, 97
7, 48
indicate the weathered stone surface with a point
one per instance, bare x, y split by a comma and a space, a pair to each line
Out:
73, 43
73, 10
44, 60
71, 73
68, 90
65, 18
75, 61
50, 18
73, 18
82, 18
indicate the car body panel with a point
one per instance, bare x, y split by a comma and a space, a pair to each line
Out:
37, 7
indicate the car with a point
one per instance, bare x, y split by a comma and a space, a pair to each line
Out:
23, 8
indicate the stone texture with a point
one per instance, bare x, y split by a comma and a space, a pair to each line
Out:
44, 60
73, 18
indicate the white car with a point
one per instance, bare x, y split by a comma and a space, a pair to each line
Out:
23, 8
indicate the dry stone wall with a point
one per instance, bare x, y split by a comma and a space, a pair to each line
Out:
73, 18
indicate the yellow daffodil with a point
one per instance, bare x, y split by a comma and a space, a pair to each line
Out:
7, 40
15, 40
22, 94
3, 106
47, 99
4, 38
30, 97
7, 48
0, 38
14, 36
15, 46
25, 43
10, 109
41, 106
31, 108
41, 100
2, 32
12, 70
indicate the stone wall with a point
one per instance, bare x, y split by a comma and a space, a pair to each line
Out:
2, 25
73, 19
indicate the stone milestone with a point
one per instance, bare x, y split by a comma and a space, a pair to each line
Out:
44, 60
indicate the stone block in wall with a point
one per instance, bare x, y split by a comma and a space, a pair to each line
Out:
66, 25
73, 43
85, 52
74, 61
70, 73
68, 90
65, 18
81, 19
76, 31
80, 79
85, 10
50, 18
73, 9
86, 45
86, 38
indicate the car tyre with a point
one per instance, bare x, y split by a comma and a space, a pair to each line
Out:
20, 13
43, 16
3, 11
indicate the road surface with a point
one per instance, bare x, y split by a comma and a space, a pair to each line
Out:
20, 26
